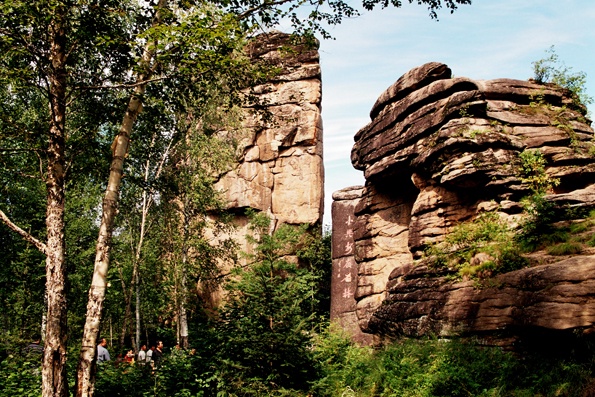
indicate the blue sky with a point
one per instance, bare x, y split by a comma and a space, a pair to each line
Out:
486, 40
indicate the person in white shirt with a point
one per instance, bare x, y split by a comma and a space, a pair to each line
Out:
142, 355
150, 354
102, 353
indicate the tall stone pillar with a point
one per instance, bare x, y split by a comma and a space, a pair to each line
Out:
344, 272
280, 170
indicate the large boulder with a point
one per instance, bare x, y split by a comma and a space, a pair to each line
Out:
439, 151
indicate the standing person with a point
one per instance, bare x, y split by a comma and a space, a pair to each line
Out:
129, 357
158, 354
142, 355
150, 354
102, 353
34, 348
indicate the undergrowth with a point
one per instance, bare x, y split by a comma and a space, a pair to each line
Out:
433, 367
487, 246
408, 368
487, 235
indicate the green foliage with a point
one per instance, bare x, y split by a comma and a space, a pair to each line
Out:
20, 376
551, 70
486, 234
315, 256
532, 170
342, 365
182, 373
122, 379
540, 214
268, 320
431, 367
558, 232
486, 228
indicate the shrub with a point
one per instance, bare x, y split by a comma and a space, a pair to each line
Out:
568, 248
486, 234
122, 380
532, 170
551, 70
433, 367
538, 223
511, 259
20, 376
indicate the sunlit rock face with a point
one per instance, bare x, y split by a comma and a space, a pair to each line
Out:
279, 171
439, 151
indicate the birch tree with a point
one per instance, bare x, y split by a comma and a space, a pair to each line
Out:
190, 48
40, 41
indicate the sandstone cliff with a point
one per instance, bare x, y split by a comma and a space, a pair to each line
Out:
439, 151
279, 170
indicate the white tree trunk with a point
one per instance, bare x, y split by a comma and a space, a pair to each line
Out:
54, 382
85, 380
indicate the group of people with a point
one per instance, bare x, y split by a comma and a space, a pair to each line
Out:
152, 356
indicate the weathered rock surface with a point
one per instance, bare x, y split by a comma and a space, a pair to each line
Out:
556, 296
344, 273
280, 170
439, 151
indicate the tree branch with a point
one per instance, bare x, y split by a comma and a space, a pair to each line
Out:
28, 237
121, 86
263, 5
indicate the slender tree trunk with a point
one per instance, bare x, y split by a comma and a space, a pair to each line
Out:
137, 312
147, 202
85, 380
183, 317
127, 305
87, 359
183, 326
54, 358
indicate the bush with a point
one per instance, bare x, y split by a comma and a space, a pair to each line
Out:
342, 365
485, 234
20, 376
532, 171
181, 373
433, 367
540, 216
551, 70
122, 380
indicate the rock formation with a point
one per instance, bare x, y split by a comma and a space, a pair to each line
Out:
345, 271
439, 151
279, 171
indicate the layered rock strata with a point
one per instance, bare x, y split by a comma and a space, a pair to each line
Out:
439, 151
279, 171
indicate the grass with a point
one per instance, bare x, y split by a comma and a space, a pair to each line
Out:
566, 248
434, 367
486, 246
